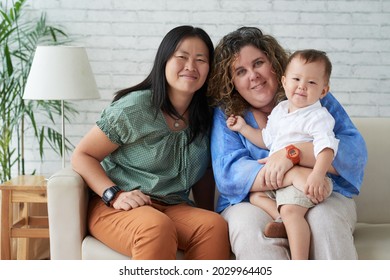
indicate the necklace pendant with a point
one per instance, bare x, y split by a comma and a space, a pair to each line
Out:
176, 124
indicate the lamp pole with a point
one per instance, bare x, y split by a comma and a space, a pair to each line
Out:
61, 73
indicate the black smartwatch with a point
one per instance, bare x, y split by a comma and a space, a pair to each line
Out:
109, 195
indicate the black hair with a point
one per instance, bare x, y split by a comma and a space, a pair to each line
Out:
200, 114
312, 55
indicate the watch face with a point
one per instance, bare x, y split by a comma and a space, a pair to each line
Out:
109, 194
293, 153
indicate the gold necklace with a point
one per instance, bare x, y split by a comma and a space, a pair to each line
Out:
176, 123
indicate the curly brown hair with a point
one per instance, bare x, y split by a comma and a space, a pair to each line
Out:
221, 89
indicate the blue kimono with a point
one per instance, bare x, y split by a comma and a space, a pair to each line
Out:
235, 165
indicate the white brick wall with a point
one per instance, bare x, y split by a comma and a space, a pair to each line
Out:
121, 37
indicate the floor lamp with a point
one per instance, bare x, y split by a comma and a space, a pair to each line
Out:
61, 73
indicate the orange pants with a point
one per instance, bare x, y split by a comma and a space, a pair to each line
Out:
156, 231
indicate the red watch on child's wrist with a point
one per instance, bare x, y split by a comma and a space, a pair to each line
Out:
293, 154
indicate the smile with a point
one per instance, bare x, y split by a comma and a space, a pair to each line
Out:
300, 94
189, 77
259, 86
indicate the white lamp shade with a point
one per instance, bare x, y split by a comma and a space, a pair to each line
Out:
60, 73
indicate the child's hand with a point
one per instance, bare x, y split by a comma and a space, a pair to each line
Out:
231, 121
235, 123
317, 187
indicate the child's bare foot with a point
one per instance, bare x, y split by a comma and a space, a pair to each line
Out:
275, 229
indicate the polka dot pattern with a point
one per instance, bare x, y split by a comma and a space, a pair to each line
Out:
151, 157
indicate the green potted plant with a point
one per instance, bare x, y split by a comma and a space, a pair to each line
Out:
19, 37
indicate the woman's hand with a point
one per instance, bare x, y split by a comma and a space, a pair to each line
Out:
275, 167
130, 200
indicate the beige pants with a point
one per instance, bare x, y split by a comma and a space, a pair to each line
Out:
332, 223
291, 195
157, 231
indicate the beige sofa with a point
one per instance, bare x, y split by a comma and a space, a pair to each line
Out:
68, 197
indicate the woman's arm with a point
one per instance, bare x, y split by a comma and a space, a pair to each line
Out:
351, 157
86, 158
272, 174
91, 150
234, 160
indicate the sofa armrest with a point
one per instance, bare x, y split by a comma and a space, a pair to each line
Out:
67, 199
373, 201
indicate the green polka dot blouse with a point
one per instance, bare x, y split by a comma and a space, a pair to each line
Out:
151, 157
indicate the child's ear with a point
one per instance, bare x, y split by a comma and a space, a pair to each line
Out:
283, 81
325, 91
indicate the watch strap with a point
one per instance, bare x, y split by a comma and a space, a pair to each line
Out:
114, 190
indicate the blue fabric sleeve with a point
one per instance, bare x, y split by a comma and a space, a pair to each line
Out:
351, 156
234, 161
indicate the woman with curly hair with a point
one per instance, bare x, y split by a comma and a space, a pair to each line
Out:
246, 81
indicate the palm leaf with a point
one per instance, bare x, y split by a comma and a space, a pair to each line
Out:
19, 38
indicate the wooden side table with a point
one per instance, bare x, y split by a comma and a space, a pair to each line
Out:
23, 190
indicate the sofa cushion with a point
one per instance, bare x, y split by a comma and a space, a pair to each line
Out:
372, 241
93, 249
